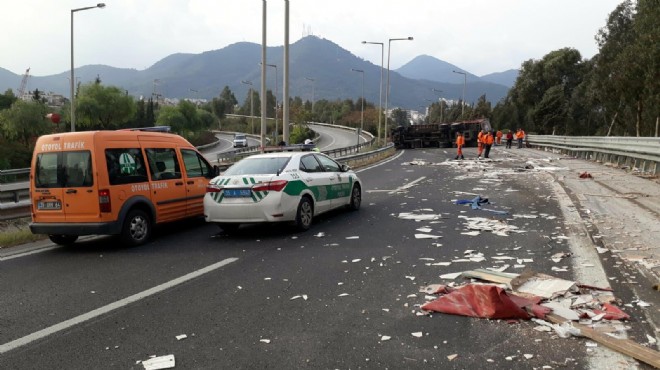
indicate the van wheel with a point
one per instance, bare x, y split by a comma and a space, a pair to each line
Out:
356, 198
63, 239
136, 229
305, 214
229, 228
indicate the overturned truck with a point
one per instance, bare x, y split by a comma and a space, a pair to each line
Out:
438, 135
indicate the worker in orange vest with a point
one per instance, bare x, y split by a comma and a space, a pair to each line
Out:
480, 143
488, 142
498, 137
460, 141
520, 135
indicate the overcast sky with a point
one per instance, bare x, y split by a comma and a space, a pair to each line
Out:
481, 36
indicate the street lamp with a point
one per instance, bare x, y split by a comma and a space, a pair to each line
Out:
439, 101
387, 89
274, 66
464, 81
72, 82
380, 94
313, 90
251, 105
362, 109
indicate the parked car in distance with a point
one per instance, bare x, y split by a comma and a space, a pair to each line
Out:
293, 186
240, 141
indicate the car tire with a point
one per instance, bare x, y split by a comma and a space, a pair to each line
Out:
229, 228
305, 214
63, 239
136, 229
356, 198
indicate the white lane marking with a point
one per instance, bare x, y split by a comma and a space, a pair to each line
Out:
407, 186
111, 307
23, 254
382, 163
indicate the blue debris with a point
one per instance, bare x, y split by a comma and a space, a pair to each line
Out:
477, 202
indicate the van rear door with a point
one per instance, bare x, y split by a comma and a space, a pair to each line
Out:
81, 201
47, 183
63, 181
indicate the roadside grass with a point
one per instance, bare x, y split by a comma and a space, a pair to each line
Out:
16, 232
13, 238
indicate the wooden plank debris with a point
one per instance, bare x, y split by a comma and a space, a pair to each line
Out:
625, 346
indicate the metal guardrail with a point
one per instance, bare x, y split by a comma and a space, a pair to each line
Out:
238, 154
638, 153
14, 193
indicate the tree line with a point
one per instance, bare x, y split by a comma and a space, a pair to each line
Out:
100, 107
614, 93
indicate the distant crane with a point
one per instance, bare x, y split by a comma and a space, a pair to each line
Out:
21, 89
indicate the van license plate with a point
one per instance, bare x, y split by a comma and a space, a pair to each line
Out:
46, 206
237, 193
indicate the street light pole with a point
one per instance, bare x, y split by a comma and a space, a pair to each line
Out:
313, 90
262, 135
362, 108
251, 106
387, 89
464, 82
72, 82
380, 87
276, 130
439, 101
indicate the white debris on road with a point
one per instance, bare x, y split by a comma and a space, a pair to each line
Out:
161, 362
427, 236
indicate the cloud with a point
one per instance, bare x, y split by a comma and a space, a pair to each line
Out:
481, 36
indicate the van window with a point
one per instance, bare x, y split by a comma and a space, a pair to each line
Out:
195, 164
64, 170
163, 164
125, 166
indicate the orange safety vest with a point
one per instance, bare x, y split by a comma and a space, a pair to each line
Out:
480, 137
460, 140
499, 134
488, 139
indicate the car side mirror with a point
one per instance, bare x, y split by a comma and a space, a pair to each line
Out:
345, 168
215, 171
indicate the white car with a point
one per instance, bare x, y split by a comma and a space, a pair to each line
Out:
283, 186
240, 140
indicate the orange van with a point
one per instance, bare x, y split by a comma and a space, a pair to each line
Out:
114, 183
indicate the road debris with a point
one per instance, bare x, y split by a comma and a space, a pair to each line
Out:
427, 236
181, 337
566, 307
264, 341
497, 227
161, 362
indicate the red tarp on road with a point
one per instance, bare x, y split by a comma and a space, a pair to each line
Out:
484, 301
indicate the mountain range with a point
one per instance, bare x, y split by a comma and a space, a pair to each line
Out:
205, 74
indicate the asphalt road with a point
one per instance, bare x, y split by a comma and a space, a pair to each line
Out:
332, 138
100, 305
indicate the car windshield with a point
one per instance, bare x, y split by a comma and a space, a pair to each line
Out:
239, 137
258, 166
